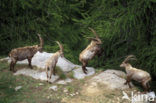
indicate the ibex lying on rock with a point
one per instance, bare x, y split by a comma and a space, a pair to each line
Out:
22, 53
92, 49
136, 74
51, 62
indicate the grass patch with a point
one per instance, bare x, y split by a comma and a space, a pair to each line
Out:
70, 88
31, 91
60, 73
2, 56
3, 65
70, 74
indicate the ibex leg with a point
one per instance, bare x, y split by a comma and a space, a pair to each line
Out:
47, 73
54, 70
145, 86
51, 72
128, 81
12, 65
29, 60
84, 67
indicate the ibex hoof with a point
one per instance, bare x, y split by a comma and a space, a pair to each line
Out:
14, 71
48, 82
85, 72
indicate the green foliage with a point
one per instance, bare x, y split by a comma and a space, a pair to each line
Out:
3, 65
125, 27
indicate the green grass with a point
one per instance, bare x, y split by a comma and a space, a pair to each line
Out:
2, 56
60, 73
31, 91
70, 74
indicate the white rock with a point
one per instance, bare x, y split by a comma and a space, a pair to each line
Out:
68, 80
110, 79
40, 59
78, 73
65, 90
36, 74
53, 88
61, 82
116, 72
72, 94
17, 88
41, 84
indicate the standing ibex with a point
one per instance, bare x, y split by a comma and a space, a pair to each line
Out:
136, 74
22, 53
92, 49
51, 62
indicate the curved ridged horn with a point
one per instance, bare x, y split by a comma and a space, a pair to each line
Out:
41, 40
61, 47
91, 38
94, 32
130, 57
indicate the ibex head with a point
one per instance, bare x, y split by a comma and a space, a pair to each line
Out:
125, 62
61, 49
40, 46
97, 40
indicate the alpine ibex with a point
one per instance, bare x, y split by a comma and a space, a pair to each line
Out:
92, 49
22, 53
136, 74
51, 62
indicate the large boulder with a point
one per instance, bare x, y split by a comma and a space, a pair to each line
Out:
109, 79
78, 73
36, 74
39, 60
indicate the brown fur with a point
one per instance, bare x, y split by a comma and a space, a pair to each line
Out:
52, 61
92, 49
22, 53
136, 74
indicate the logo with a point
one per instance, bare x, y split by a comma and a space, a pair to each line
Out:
139, 97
